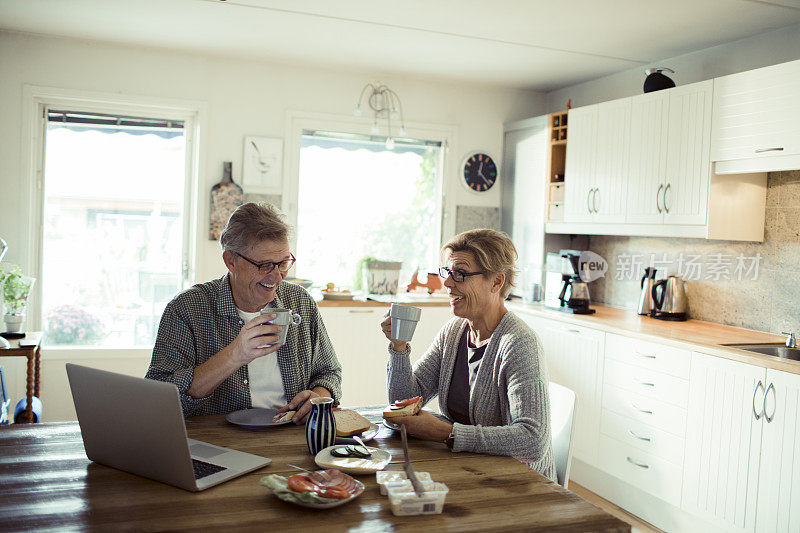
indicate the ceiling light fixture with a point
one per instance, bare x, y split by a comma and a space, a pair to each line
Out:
385, 104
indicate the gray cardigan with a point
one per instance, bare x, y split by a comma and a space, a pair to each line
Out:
509, 405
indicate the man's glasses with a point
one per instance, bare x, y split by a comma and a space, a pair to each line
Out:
268, 266
457, 275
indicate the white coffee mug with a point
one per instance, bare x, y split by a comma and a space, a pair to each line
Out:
404, 321
283, 318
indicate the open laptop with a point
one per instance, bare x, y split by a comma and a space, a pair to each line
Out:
136, 425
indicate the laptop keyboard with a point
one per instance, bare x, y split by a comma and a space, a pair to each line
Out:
203, 469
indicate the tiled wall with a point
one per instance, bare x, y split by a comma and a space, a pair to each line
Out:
770, 302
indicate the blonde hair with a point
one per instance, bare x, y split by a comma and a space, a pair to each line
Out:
494, 252
252, 223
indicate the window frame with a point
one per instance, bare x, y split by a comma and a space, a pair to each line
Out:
297, 122
36, 102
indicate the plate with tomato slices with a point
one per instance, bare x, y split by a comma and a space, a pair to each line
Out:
322, 489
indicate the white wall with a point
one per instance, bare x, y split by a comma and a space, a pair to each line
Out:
770, 48
243, 98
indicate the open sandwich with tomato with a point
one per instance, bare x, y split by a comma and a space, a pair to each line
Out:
407, 407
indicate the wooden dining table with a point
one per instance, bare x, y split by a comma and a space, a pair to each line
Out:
46, 482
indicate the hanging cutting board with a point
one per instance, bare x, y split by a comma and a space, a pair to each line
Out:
226, 196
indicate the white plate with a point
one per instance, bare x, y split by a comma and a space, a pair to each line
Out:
365, 435
288, 496
354, 465
337, 295
255, 418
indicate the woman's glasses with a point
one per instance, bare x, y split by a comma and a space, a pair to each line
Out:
268, 266
457, 275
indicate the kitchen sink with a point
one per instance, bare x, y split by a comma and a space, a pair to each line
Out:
776, 350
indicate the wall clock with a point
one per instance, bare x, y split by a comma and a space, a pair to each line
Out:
480, 172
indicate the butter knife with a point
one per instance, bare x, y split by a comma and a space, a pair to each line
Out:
407, 463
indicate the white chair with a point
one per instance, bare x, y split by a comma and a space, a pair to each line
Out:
562, 416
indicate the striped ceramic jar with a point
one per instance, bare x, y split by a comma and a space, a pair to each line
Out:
320, 425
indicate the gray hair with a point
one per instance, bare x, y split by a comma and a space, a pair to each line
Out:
494, 253
252, 223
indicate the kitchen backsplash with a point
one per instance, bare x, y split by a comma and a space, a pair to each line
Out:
470, 217
743, 284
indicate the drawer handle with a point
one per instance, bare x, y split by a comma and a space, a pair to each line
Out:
646, 356
777, 149
359, 311
635, 436
645, 383
645, 411
573, 331
640, 465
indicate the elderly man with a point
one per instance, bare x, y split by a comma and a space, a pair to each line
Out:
220, 352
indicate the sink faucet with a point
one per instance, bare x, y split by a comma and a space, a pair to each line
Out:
790, 341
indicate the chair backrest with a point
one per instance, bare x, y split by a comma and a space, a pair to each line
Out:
562, 417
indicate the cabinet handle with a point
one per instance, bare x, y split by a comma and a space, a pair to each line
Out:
666, 209
658, 193
635, 436
574, 331
755, 392
360, 311
762, 150
767, 417
646, 356
640, 465
645, 411
594, 200
589, 200
645, 383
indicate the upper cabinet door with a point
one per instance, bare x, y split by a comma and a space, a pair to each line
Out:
613, 144
685, 196
648, 158
757, 116
779, 474
723, 442
579, 173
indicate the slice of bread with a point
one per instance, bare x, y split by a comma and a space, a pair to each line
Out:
408, 410
348, 423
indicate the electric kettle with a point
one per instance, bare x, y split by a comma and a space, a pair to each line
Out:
671, 302
646, 297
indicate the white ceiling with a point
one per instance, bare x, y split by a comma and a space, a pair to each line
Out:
531, 44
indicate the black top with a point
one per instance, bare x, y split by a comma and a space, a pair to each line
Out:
464, 371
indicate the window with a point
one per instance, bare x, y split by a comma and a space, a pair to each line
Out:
113, 232
357, 199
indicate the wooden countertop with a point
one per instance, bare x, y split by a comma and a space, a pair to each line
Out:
705, 337
46, 482
417, 299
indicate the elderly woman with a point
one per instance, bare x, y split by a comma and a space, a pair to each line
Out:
218, 349
486, 365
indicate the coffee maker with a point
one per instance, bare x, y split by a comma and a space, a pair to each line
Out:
573, 296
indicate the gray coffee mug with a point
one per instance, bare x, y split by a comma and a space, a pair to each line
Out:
404, 321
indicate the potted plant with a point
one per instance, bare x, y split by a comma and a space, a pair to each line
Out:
16, 287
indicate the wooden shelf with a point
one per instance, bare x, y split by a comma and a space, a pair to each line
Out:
559, 143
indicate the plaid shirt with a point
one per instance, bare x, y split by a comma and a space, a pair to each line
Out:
202, 320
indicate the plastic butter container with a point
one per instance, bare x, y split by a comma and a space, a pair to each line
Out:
406, 502
386, 477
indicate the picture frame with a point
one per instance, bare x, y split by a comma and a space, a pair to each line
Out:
262, 165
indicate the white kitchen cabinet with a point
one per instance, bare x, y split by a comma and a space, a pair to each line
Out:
613, 140
779, 472
648, 158
757, 120
362, 348
524, 189
685, 196
579, 173
575, 359
723, 442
